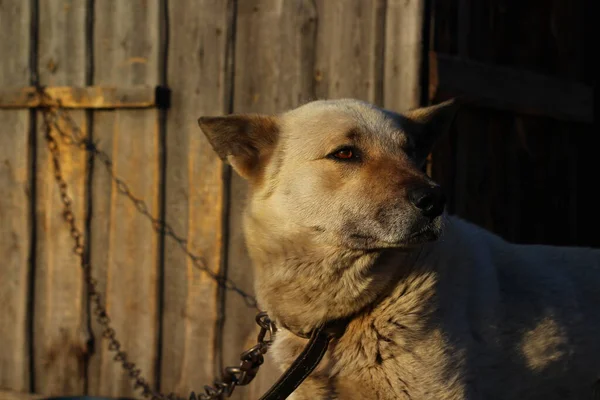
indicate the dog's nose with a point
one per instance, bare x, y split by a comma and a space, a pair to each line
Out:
428, 199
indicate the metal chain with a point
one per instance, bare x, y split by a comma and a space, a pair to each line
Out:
251, 359
78, 139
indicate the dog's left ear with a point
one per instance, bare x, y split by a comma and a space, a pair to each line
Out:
245, 141
430, 123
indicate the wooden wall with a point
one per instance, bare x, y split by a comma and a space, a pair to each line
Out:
521, 176
217, 57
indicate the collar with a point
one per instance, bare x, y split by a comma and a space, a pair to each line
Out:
335, 328
307, 361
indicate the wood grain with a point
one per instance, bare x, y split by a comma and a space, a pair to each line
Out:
349, 52
15, 217
403, 54
124, 248
194, 194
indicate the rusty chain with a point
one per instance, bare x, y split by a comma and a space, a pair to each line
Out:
251, 359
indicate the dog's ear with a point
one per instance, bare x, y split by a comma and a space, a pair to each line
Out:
430, 123
245, 141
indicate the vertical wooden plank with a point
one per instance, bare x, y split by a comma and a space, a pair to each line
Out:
349, 44
513, 148
277, 38
15, 218
124, 247
60, 324
443, 165
447, 158
571, 24
403, 54
404, 49
198, 35
464, 27
472, 179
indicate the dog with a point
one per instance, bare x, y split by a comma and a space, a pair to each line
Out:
341, 222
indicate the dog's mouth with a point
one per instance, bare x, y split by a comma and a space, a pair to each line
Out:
427, 233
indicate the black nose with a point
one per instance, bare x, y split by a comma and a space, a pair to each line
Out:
428, 199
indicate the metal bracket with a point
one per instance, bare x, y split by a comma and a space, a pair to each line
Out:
162, 97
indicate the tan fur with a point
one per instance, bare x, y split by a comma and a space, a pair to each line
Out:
453, 312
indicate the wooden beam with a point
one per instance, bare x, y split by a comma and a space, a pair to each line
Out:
97, 97
509, 89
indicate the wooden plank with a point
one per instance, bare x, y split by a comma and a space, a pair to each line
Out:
5, 395
277, 38
403, 68
444, 166
142, 96
60, 323
15, 218
124, 248
403, 54
472, 172
194, 193
349, 60
509, 89
463, 27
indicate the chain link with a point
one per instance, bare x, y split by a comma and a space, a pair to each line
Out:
251, 359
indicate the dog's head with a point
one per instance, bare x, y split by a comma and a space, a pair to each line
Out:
344, 172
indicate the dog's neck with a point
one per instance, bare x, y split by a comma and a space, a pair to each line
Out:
303, 285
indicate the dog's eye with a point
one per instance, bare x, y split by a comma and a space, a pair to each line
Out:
345, 154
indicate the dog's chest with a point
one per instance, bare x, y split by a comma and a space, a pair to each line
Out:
380, 361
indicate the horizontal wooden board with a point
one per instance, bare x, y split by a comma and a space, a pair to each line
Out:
509, 89
5, 395
97, 97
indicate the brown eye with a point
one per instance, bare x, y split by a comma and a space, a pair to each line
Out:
344, 154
